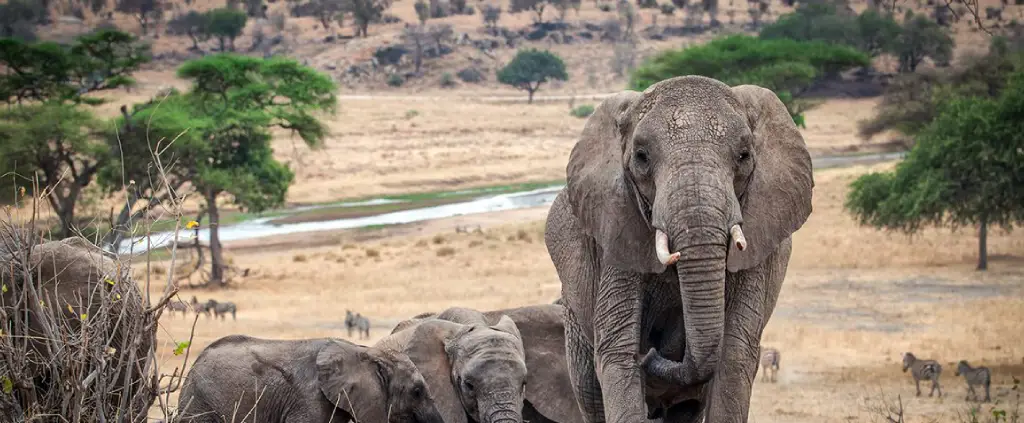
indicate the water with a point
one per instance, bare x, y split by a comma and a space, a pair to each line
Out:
262, 227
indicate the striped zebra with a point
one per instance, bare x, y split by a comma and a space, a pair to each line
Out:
975, 376
923, 370
770, 361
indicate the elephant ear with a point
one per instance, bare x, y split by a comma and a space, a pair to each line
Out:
505, 324
548, 388
427, 347
777, 198
353, 381
600, 194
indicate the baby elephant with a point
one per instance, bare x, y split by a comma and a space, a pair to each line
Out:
243, 379
923, 370
975, 376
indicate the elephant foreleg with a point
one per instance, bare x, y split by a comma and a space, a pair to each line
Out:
750, 299
579, 355
617, 315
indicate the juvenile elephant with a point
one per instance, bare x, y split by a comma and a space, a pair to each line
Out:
475, 371
672, 238
244, 379
548, 392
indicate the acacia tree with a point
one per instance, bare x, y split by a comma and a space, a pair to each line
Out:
966, 168
365, 12
193, 24
922, 38
530, 68
42, 129
225, 24
223, 141
147, 12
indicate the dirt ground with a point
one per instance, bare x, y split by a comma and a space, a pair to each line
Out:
854, 300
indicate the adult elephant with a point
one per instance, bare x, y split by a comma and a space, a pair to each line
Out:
672, 237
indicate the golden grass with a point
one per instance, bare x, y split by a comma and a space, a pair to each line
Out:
845, 282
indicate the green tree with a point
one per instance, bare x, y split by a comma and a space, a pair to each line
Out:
58, 142
365, 12
226, 24
530, 68
921, 38
876, 32
911, 102
814, 21
193, 24
535, 6
785, 66
42, 130
222, 126
422, 11
966, 168
147, 12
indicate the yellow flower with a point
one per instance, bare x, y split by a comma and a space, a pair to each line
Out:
110, 281
21, 191
192, 224
84, 316
117, 297
42, 303
71, 309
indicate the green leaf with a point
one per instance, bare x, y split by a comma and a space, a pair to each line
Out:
3, 288
182, 346
7, 384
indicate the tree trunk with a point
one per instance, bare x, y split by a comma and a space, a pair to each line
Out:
216, 252
530, 93
983, 244
223, 45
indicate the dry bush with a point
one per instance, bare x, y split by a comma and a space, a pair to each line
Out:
445, 251
439, 239
300, 258
372, 253
78, 336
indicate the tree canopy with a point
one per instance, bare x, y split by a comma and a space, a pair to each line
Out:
225, 24
42, 131
222, 139
911, 102
966, 168
785, 66
530, 68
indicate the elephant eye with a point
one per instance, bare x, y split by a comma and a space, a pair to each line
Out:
641, 157
469, 386
744, 156
417, 392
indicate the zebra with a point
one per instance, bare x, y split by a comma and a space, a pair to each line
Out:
221, 309
975, 376
357, 321
177, 305
203, 308
923, 370
770, 361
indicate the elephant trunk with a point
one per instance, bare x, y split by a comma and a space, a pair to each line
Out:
504, 412
701, 262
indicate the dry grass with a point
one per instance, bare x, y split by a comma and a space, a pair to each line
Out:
854, 301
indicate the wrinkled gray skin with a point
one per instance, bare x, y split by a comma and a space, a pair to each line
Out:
310, 380
692, 157
548, 392
475, 371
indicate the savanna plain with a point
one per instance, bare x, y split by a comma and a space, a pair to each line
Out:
854, 300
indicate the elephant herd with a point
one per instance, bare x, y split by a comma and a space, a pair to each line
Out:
456, 366
671, 240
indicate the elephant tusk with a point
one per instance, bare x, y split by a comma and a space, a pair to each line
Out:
661, 248
737, 236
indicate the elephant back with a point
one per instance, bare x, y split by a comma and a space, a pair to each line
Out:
70, 297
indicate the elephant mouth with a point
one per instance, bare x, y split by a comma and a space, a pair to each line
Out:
668, 258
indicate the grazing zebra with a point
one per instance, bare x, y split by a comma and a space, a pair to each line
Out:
358, 322
975, 376
222, 309
770, 361
177, 305
923, 370
203, 308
